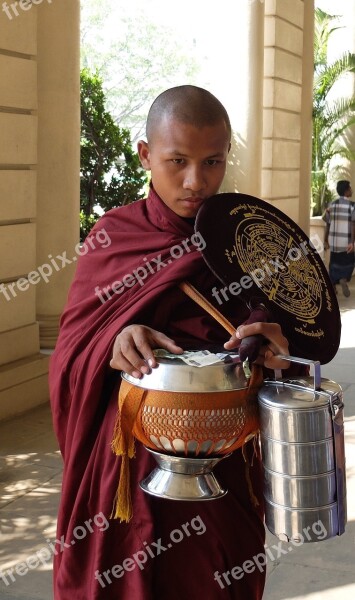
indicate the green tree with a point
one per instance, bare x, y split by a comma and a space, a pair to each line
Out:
332, 118
110, 173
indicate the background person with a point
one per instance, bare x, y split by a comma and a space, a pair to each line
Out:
340, 236
188, 140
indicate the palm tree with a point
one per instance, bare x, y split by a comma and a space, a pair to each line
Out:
332, 118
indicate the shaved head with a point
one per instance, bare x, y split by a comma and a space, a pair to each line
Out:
187, 104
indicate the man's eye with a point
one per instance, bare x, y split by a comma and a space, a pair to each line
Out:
178, 161
212, 162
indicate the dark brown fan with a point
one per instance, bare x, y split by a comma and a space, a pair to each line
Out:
253, 245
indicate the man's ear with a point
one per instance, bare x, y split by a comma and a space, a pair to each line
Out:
144, 154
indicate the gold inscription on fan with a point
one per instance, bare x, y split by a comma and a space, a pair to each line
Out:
281, 264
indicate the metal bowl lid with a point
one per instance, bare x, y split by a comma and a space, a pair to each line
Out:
298, 393
173, 375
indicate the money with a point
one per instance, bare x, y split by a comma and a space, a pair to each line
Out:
246, 368
202, 358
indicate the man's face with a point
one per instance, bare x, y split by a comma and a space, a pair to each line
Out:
187, 163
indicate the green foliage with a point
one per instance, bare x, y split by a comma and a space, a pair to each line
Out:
332, 118
87, 222
111, 174
321, 194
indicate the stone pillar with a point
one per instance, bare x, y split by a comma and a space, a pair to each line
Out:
287, 106
22, 370
39, 184
58, 157
242, 93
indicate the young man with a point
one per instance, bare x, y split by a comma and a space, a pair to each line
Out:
124, 302
340, 237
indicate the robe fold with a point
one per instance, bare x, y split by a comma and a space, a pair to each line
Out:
169, 550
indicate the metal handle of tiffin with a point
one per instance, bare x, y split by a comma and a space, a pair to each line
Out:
303, 361
335, 406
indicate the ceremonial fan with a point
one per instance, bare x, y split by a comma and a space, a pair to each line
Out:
263, 256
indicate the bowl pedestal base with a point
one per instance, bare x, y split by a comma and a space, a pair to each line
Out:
183, 478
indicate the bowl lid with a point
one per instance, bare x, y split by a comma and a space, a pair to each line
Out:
173, 375
298, 394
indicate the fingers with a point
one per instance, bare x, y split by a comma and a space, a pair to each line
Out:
272, 333
234, 342
133, 349
126, 357
163, 341
121, 364
271, 361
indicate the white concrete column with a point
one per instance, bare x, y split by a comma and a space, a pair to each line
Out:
58, 156
240, 88
288, 107
23, 370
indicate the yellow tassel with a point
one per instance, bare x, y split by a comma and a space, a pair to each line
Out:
123, 445
123, 502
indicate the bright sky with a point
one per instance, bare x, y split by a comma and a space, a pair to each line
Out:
186, 17
342, 40
191, 20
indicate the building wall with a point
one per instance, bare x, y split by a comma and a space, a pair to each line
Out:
34, 95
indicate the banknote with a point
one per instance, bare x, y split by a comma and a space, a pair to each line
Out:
201, 358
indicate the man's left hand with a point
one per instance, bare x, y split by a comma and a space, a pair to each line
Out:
275, 343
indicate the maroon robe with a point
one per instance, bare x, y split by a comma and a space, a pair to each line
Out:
84, 393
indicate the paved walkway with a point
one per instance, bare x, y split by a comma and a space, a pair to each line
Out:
325, 570
30, 475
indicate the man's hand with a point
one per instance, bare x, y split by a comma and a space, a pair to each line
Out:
276, 343
350, 248
132, 350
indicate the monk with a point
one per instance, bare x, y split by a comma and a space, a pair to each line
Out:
125, 302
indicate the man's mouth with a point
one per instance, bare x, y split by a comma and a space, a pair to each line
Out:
193, 200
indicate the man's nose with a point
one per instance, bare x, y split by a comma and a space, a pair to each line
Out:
194, 179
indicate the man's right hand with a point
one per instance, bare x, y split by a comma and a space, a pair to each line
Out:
132, 350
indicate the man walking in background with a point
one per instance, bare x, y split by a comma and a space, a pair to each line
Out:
340, 237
